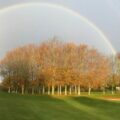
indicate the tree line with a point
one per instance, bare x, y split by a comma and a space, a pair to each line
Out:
55, 67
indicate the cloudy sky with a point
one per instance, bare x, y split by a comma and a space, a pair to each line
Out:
34, 23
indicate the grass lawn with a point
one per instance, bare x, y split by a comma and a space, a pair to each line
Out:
27, 107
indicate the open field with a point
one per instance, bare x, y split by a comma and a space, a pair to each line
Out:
27, 107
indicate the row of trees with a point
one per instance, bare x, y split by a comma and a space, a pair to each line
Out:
55, 67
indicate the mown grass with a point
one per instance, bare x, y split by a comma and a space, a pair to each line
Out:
28, 107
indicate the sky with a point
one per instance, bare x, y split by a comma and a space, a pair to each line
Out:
35, 23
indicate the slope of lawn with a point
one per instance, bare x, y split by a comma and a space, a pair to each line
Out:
18, 107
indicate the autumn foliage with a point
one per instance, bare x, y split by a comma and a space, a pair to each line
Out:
54, 67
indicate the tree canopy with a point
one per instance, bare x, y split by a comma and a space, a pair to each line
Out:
54, 66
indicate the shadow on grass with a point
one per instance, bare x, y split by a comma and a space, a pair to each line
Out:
100, 107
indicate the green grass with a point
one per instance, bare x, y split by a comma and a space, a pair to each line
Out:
27, 107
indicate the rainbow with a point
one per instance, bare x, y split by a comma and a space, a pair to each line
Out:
84, 19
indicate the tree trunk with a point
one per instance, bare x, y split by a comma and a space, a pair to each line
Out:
16, 91
65, 89
60, 89
22, 89
53, 89
79, 91
32, 90
89, 90
70, 90
43, 89
48, 90
112, 90
9, 90
75, 89
103, 90
39, 91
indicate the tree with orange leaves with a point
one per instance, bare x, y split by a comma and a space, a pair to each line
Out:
55, 66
